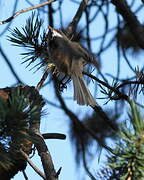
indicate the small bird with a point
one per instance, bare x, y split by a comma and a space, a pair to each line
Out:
70, 58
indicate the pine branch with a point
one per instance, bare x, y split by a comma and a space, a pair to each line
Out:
19, 108
31, 38
127, 163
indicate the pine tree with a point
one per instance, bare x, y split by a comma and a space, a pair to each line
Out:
21, 106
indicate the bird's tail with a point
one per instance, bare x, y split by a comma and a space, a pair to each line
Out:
81, 93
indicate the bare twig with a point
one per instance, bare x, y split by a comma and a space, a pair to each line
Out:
41, 82
54, 136
52, 103
120, 94
26, 10
8, 25
24, 174
58, 172
10, 66
73, 25
32, 164
127, 60
85, 163
130, 83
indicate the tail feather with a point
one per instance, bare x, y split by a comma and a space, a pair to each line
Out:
81, 93
78, 92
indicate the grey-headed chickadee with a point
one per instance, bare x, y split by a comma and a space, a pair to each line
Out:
69, 58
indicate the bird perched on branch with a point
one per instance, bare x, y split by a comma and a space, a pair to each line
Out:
70, 58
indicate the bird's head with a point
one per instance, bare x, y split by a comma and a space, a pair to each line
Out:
56, 38
54, 33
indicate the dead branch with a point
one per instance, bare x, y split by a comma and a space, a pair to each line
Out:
45, 156
26, 10
73, 25
54, 136
32, 164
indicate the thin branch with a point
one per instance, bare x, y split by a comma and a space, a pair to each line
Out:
54, 136
75, 119
10, 66
120, 79
105, 118
105, 17
8, 25
120, 94
50, 15
41, 82
85, 163
58, 172
32, 164
127, 60
130, 82
52, 103
26, 10
73, 25
25, 175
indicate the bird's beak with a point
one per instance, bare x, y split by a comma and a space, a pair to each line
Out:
50, 29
